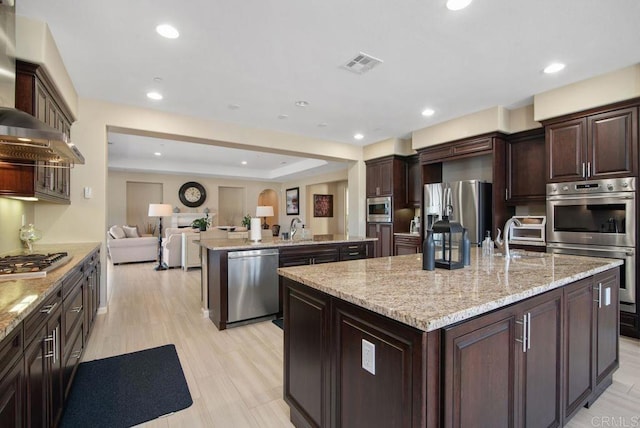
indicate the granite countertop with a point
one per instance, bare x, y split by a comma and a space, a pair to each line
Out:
416, 235
14, 291
398, 288
246, 244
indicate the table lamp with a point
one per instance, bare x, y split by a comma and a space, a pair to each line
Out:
264, 211
160, 210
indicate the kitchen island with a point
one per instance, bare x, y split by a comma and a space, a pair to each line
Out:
320, 249
381, 342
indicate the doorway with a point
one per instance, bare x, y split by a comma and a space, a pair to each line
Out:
269, 197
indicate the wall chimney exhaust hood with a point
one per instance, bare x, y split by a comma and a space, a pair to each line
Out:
24, 137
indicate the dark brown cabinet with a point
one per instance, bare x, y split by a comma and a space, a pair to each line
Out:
414, 181
324, 381
594, 146
91, 299
607, 327
525, 159
12, 380
406, 244
385, 176
37, 95
519, 350
383, 247
43, 364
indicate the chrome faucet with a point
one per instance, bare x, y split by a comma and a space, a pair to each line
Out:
503, 244
293, 228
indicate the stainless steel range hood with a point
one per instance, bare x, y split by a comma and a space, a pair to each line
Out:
22, 136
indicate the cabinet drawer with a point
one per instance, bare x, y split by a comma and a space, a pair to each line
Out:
11, 349
38, 317
353, 252
409, 240
73, 313
71, 359
72, 281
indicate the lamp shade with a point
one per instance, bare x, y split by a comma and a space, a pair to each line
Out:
160, 210
264, 211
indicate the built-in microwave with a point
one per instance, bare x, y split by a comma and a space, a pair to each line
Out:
379, 209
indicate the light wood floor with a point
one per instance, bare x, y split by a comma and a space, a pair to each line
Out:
235, 376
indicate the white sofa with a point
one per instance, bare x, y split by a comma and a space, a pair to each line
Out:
172, 245
129, 249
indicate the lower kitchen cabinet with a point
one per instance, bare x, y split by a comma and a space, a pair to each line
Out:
43, 369
325, 384
39, 357
532, 364
406, 244
383, 247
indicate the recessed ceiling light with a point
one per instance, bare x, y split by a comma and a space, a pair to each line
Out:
166, 30
233, 106
554, 67
457, 4
157, 79
358, 136
302, 103
283, 116
428, 112
158, 154
154, 95
243, 162
323, 125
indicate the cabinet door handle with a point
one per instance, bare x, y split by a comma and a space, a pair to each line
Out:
599, 299
77, 309
523, 323
583, 174
49, 351
76, 355
588, 169
506, 194
354, 254
47, 309
528, 330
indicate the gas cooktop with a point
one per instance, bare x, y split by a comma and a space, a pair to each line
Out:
31, 265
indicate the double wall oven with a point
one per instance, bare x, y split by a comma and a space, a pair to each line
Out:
596, 218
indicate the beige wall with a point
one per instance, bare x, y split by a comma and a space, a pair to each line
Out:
391, 146
11, 212
608, 88
324, 225
117, 185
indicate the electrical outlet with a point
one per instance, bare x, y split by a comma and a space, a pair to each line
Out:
369, 356
607, 296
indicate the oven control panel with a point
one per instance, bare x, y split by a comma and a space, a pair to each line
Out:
611, 185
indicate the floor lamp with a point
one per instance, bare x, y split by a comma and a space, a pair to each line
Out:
160, 210
264, 211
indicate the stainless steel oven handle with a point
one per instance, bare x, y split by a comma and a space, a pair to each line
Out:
588, 169
590, 196
583, 170
628, 252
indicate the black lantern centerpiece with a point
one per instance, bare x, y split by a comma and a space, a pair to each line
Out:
455, 244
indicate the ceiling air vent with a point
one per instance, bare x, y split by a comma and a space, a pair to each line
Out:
362, 63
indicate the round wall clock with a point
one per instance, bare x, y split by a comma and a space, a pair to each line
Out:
192, 194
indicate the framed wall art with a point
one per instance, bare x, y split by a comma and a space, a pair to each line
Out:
293, 201
323, 205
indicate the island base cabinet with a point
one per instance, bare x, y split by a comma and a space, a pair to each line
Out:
503, 369
307, 377
325, 383
383, 398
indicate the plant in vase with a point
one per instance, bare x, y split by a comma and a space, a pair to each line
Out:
246, 221
201, 223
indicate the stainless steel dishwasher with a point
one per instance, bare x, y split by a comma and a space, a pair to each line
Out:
253, 284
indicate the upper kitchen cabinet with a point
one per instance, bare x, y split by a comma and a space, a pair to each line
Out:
387, 176
525, 167
414, 181
37, 95
597, 144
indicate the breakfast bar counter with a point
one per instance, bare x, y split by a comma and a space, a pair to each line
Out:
525, 341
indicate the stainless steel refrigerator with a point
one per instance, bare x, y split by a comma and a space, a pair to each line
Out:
466, 202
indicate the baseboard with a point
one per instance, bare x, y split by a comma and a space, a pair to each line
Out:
205, 313
103, 310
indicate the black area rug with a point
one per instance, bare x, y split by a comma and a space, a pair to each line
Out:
127, 389
279, 322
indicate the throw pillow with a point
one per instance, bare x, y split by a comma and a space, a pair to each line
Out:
131, 231
117, 232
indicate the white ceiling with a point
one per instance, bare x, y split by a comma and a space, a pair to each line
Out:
262, 56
